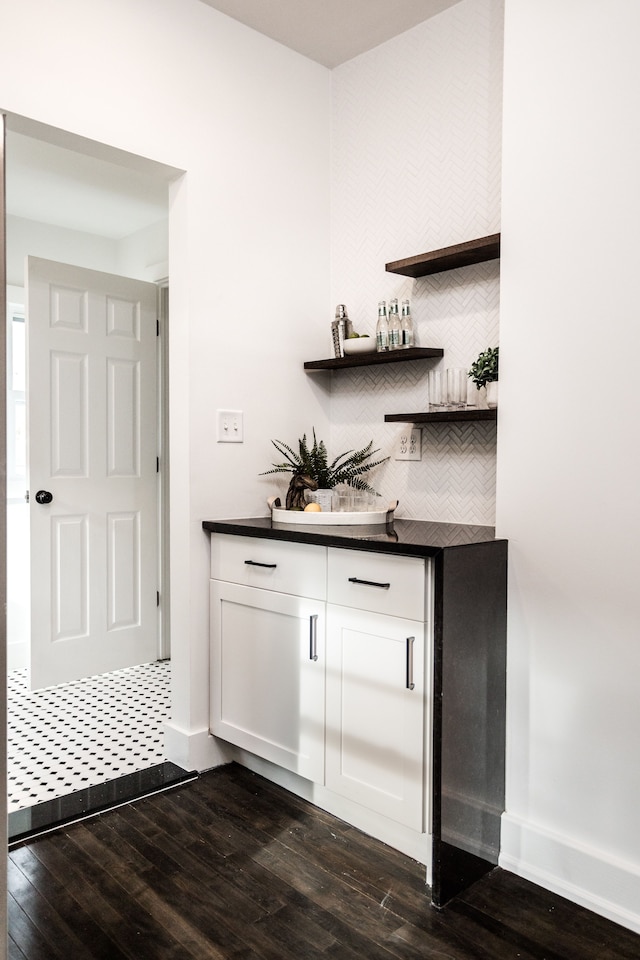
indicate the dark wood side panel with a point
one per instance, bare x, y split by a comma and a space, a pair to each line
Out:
469, 714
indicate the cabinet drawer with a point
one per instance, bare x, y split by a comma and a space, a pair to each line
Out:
296, 568
377, 582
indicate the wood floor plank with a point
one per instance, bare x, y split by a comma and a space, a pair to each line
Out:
211, 822
177, 908
232, 867
75, 923
26, 935
13, 951
218, 897
529, 912
116, 831
372, 920
135, 929
43, 914
333, 843
83, 883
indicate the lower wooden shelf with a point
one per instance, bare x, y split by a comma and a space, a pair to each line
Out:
443, 416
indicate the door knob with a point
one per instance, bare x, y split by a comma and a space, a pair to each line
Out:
43, 496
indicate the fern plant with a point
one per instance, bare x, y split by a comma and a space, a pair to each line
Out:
350, 467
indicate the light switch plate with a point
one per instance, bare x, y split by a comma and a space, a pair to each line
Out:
409, 444
230, 427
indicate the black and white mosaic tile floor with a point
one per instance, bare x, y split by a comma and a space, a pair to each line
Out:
84, 733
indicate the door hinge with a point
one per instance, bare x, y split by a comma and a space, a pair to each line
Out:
26, 496
157, 464
157, 598
157, 326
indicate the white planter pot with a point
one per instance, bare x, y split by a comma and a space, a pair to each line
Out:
492, 394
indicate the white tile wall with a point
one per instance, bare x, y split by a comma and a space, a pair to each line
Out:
416, 166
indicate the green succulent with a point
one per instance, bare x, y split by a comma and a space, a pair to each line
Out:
349, 467
485, 369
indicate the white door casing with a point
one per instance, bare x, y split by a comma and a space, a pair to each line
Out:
92, 428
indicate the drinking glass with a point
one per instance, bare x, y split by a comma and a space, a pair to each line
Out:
456, 387
436, 390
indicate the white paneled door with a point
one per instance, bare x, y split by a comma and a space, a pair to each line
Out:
92, 403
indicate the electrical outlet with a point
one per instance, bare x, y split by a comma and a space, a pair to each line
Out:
230, 428
409, 444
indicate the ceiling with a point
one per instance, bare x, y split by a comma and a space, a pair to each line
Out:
331, 31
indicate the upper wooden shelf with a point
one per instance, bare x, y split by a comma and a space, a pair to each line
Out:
449, 258
443, 416
370, 359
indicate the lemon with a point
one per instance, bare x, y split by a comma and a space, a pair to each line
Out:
313, 508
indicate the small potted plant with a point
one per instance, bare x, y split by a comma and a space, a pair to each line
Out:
484, 373
310, 469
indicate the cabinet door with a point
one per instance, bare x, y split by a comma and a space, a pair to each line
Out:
268, 675
375, 718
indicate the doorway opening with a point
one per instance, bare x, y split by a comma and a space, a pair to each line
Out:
80, 204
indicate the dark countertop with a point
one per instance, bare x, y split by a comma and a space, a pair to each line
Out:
412, 538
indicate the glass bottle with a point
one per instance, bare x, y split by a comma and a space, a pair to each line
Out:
395, 327
407, 325
382, 328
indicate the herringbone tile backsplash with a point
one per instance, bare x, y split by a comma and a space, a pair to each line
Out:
416, 148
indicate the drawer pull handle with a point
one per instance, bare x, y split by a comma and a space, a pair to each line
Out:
313, 636
254, 563
410, 684
370, 583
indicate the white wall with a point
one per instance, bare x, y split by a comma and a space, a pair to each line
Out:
568, 454
55, 243
142, 255
416, 166
248, 120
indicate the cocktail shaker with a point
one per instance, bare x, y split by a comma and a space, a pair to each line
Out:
341, 328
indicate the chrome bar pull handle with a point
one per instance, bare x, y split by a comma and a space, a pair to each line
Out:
254, 563
370, 583
410, 683
313, 636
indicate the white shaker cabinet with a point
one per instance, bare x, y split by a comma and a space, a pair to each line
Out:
378, 704
398, 726
375, 722
268, 653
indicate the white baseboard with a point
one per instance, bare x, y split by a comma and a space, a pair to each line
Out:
607, 885
193, 749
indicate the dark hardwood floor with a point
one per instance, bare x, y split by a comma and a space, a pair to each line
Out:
231, 866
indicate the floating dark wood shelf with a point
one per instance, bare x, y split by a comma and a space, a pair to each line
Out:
370, 359
443, 416
449, 258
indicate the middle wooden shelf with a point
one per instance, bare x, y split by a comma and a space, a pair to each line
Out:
371, 359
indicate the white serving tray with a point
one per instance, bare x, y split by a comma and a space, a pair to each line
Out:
330, 518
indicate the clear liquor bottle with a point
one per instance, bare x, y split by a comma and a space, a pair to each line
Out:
395, 327
407, 325
382, 328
